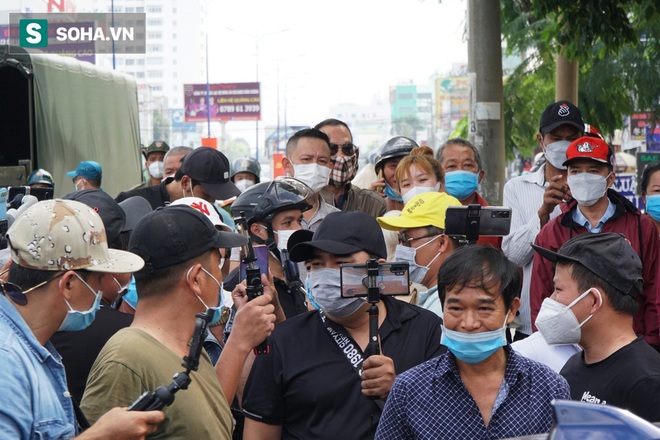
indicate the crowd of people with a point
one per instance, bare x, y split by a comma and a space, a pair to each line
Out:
242, 281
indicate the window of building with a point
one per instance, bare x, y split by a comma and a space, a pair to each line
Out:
154, 35
154, 22
155, 74
154, 61
155, 9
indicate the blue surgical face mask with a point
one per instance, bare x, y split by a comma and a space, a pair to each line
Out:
76, 320
653, 206
392, 194
310, 297
215, 312
461, 184
474, 347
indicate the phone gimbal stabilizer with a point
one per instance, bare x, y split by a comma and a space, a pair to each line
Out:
164, 396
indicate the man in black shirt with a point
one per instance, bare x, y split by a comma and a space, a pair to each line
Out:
316, 382
204, 173
598, 284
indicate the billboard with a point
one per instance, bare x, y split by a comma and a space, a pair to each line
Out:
226, 102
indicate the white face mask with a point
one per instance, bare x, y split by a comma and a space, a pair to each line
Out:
558, 324
587, 188
555, 153
417, 190
313, 175
408, 254
283, 237
244, 184
325, 287
156, 169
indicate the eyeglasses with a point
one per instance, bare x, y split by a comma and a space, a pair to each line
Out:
348, 149
404, 240
17, 294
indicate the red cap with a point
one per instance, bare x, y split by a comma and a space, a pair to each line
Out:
588, 147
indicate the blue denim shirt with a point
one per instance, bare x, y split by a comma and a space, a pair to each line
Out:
34, 401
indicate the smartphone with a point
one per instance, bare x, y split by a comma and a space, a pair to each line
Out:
39, 193
493, 220
392, 279
261, 253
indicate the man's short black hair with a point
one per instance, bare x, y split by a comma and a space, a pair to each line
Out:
585, 279
333, 123
482, 267
305, 133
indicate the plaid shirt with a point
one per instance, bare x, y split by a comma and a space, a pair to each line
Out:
430, 401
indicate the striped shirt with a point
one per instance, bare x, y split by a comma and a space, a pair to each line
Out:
524, 195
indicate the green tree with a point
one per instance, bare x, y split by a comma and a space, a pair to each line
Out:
617, 45
407, 126
161, 126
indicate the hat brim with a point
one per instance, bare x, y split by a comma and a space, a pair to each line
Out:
118, 262
229, 240
304, 251
566, 162
220, 190
553, 256
400, 222
547, 129
71, 174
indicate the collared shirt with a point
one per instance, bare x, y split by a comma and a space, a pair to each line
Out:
581, 220
524, 195
35, 401
322, 210
430, 401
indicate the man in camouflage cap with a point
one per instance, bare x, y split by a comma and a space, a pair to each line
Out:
154, 165
59, 255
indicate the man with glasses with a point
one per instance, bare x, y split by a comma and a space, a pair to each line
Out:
59, 257
308, 159
317, 381
422, 242
181, 278
345, 154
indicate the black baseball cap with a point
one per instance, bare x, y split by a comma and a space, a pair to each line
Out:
114, 218
135, 208
211, 169
340, 233
172, 235
558, 114
608, 255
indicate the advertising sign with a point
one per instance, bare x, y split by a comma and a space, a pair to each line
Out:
226, 102
626, 185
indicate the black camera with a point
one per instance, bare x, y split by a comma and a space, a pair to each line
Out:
472, 221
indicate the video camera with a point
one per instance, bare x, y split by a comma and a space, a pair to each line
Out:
468, 223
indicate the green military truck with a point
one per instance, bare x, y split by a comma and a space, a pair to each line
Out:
57, 111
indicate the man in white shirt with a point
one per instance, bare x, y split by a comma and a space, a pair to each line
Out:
534, 198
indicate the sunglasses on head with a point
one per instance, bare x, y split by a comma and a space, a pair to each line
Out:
348, 149
17, 294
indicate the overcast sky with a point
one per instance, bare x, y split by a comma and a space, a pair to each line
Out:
343, 51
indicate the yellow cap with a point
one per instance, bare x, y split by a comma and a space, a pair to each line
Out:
426, 209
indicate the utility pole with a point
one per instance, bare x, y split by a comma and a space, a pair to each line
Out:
566, 86
485, 115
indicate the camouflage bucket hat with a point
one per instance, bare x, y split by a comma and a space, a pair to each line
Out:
66, 235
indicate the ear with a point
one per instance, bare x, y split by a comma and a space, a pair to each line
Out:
444, 244
65, 284
257, 229
598, 300
611, 178
515, 305
288, 166
539, 140
481, 174
185, 183
192, 277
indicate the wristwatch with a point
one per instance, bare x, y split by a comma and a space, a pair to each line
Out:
224, 317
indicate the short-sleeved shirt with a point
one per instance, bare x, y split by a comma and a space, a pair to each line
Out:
133, 362
431, 402
307, 385
629, 378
